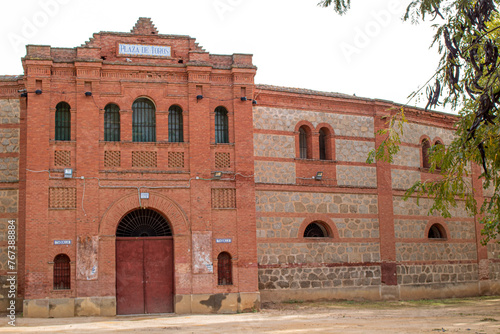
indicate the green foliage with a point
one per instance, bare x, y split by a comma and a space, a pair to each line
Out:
467, 79
340, 6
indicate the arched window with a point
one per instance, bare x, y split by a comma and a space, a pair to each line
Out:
436, 144
62, 272
437, 232
175, 130
143, 121
425, 153
63, 121
143, 223
315, 230
224, 269
324, 150
221, 126
304, 153
111, 123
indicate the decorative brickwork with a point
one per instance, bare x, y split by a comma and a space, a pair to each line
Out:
143, 159
222, 160
62, 158
112, 158
62, 198
175, 159
223, 198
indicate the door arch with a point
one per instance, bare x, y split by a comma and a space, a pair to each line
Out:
144, 263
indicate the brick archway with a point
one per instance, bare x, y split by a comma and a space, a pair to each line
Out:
166, 206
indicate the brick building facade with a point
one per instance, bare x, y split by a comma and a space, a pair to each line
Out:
146, 175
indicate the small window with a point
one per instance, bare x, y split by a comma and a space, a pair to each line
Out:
62, 272
63, 122
175, 125
438, 165
143, 121
324, 150
437, 232
224, 269
315, 230
425, 153
221, 126
111, 123
304, 153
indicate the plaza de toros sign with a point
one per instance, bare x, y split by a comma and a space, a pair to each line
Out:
144, 50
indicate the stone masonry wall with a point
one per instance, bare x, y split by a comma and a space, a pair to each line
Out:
274, 146
324, 277
317, 253
280, 119
268, 201
288, 227
407, 156
436, 251
9, 111
9, 169
353, 151
437, 273
415, 229
357, 176
274, 172
9, 140
404, 179
412, 133
411, 208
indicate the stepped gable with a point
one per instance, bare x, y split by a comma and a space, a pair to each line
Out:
144, 26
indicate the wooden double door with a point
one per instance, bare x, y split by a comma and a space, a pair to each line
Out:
144, 275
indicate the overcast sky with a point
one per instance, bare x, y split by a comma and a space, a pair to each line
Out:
369, 51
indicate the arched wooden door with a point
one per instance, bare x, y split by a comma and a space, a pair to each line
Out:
144, 264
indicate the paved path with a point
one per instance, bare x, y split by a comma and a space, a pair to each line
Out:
462, 316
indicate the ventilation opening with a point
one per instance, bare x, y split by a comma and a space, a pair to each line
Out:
436, 232
181, 61
143, 223
315, 230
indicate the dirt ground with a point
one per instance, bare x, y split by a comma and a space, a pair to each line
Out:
474, 315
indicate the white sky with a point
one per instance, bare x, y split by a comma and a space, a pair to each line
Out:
369, 51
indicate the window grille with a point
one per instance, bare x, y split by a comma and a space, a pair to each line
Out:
425, 153
224, 269
143, 121
303, 143
63, 122
221, 126
62, 272
315, 230
112, 123
322, 144
436, 232
175, 125
143, 223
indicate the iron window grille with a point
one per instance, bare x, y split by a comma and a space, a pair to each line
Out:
175, 125
62, 272
322, 144
143, 223
303, 143
224, 269
221, 126
143, 121
315, 230
63, 122
112, 123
